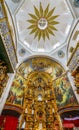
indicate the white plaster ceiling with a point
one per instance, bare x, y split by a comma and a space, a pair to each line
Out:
65, 20
68, 18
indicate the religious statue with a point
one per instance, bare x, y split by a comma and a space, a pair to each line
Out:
3, 76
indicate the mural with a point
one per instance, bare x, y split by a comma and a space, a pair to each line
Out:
63, 91
33, 64
17, 91
41, 64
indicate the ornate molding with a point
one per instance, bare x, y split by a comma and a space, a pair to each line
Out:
6, 35
13, 107
73, 62
73, 65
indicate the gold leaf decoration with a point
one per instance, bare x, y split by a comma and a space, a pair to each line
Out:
50, 13
41, 10
42, 22
46, 10
37, 12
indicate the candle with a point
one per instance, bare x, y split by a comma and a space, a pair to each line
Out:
32, 111
26, 111
52, 110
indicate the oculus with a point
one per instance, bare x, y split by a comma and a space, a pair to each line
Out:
76, 3
61, 54
16, 1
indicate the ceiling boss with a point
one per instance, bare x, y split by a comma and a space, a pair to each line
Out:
43, 22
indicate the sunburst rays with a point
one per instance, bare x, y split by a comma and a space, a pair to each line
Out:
43, 22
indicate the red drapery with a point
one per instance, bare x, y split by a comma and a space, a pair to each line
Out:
1, 120
10, 123
71, 123
68, 125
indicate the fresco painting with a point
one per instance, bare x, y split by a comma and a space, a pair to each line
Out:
41, 64
33, 64
17, 91
64, 93
63, 90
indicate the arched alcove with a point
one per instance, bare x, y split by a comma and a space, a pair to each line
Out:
39, 77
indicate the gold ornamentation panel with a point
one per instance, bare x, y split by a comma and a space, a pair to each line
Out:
43, 22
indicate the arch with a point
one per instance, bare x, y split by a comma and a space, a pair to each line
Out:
35, 64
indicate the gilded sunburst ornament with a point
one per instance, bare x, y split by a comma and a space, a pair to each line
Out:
43, 22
